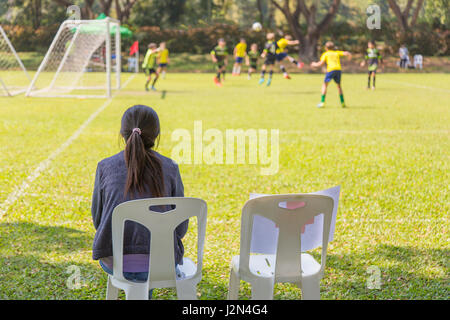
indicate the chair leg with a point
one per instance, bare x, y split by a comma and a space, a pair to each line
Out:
310, 289
233, 288
186, 290
112, 293
136, 293
262, 289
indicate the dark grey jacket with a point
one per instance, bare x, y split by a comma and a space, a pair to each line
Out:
108, 192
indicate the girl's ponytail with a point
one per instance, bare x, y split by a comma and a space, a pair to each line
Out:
140, 128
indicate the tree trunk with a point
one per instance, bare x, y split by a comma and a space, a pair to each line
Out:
308, 48
123, 11
106, 6
36, 13
259, 5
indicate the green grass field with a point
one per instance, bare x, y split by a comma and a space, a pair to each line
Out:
389, 151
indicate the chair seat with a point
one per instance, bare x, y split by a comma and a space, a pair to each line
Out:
263, 265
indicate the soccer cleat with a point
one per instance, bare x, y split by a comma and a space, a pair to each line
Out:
300, 65
261, 81
217, 81
286, 76
146, 88
373, 88
343, 105
321, 105
269, 82
153, 88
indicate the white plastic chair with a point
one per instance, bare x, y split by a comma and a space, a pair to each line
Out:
418, 61
162, 258
262, 271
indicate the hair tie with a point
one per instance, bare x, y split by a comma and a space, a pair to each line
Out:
137, 130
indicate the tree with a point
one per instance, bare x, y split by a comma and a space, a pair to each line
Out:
293, 10
437, 12
266, 12
123, 9
87, 11
405, 20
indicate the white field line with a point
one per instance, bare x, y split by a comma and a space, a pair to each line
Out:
417, 85
58, 197
20, 190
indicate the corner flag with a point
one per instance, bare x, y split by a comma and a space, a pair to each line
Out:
134, 48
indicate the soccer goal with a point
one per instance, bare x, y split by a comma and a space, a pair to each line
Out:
83, 61
14, 78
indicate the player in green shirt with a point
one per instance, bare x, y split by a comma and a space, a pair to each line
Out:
252, 60
150, 66
373, 58
219, 56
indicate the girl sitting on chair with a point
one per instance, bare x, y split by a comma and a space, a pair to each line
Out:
138, 172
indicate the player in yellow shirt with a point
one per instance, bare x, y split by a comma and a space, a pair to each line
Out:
332, 58
240, 52
163, 59
282, 54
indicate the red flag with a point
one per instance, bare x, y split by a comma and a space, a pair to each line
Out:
134, 48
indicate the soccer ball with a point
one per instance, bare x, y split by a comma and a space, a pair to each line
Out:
257, 27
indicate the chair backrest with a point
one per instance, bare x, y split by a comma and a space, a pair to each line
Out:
161, 226
290, 223
418, 58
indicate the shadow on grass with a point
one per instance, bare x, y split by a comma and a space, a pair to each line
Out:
29, 237
43, 262
405, 273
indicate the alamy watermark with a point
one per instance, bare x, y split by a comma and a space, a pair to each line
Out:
229, 147
374, 280
73, 282
74, 12
374, 20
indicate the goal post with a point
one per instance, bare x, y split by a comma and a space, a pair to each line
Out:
14, 78
81, 61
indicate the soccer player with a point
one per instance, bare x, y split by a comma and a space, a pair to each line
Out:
149, 65
163, 59
219, 55
240, 52
373, 58
270, 55
252, 60
332, 59
282, 44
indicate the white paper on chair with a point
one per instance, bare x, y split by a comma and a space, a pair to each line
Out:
265, 232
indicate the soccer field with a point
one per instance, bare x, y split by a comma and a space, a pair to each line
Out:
389, 152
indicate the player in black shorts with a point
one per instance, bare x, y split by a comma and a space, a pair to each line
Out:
270, 54
373, 58
219, 56
252, 60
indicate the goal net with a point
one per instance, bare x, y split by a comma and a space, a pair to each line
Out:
84, 60
14, 78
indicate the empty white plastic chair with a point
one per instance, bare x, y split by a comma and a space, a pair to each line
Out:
162, 257
262, 271
418, 61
